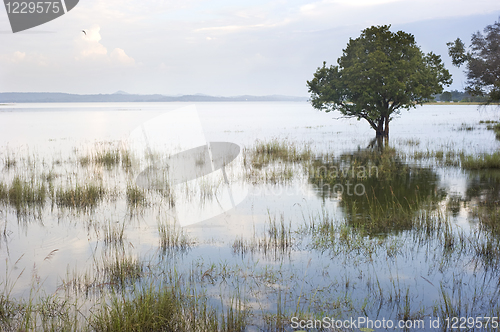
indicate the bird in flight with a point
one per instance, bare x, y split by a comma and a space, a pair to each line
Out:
84, 32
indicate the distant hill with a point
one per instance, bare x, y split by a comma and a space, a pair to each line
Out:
121, 96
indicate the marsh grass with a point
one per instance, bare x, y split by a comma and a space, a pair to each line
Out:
173, 239
86, 196
136, 197
23, 194
108, 158
166, 308
49, 313
495, 126
277, 239
466, 127
114, 233
484, 161
378, 192
264, 153
378, 230
339, 238
488, 216
121, 270
9, 162
146, 310
275, 161
4, 193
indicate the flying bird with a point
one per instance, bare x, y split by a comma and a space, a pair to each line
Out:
84, 32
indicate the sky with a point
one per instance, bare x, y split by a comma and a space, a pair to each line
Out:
217, 47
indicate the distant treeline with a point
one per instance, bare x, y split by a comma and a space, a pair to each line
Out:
459, 96
55, 97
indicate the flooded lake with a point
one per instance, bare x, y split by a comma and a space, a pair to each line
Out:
300, 220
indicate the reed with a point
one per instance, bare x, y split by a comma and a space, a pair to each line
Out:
121, 270
114, 233
85, 196
495, 127
136, 197
173, 239
23, 194
9, 162
166, 308
484, 161
265, 152
108, 158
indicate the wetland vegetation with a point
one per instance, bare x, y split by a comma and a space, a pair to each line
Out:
370, 232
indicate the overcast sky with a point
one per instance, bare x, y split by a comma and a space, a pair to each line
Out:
216, 47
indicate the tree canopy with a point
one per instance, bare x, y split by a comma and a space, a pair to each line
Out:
482, 61
379, 74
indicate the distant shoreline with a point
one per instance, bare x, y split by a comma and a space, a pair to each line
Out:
458, 103
56, 97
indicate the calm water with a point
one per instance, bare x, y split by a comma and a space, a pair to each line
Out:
54, 244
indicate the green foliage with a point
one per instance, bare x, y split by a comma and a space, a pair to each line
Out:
80, 197
446, 96
23, 194
266, 152
378, 192
166, 309
379, 74
485, 161
460, 96
483, 62
135, 196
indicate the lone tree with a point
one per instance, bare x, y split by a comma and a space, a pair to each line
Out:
379, 74
483, 62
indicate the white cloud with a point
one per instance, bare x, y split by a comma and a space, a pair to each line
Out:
18, 56
217, 47
119, 56
23, 58
89, 47
88, 44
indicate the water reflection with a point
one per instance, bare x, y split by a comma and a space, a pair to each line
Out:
378, 193
483, 195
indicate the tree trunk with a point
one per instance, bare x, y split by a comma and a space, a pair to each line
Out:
386, 130
380, 128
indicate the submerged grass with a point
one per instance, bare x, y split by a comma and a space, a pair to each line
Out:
396, 219
136, 197
495, 126
173, 239
85, 196
378, 192
277, 239
122, 270
165, 309
484, 161
108, 158
265, 152
114, 233
275, 161
23, 194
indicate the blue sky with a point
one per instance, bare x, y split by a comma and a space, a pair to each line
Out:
216, 47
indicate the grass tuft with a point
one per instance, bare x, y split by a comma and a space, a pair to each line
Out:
135, 196
81, 196
484, 161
